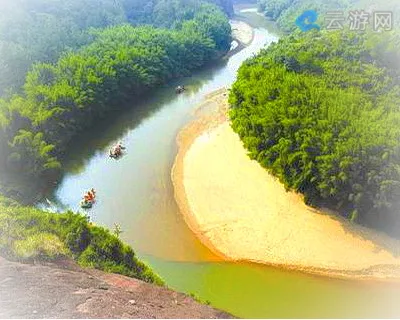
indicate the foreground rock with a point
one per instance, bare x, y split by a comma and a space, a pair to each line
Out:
64, 290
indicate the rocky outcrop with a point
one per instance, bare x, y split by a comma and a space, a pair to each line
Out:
64, 290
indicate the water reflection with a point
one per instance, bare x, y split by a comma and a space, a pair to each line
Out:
137, 193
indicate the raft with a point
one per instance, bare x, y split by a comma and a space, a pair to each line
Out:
86, 205
114, 155
180, 89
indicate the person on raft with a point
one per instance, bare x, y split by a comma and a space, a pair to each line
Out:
117, 150
90, 196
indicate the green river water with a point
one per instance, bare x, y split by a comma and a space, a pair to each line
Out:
136, 192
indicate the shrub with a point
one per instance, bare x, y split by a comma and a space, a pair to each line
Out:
29, 234
40, 246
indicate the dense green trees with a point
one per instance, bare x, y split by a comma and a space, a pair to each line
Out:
333, 135
174, 13
28, 234
166, 12
226, 5
285, 12
64, 64
320, 110
41, 30
61, 99
326, 121
78, 59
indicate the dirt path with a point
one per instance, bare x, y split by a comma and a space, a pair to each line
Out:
243, 213
66, 291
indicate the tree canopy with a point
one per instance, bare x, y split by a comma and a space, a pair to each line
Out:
28, 234
42, 30
61, 98
320, 110
285, 12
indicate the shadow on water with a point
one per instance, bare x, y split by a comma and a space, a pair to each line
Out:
137, 193
130, 115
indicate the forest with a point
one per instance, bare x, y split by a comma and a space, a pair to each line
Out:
320, 110
28, 235
41, 30
285, 12
80, 58
65, 64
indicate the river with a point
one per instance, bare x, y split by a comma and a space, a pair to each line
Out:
136, 192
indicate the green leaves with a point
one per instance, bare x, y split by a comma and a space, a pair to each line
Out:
30, 234
31, 154
333, 134
61, 99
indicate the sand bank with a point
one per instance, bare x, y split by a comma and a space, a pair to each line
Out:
242, 35
242, 32
241, 212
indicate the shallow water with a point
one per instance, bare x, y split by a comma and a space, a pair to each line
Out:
136, 192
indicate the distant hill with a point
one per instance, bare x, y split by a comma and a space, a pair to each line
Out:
226, 5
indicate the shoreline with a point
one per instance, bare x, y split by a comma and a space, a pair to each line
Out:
242, 33
185, 140
206, 127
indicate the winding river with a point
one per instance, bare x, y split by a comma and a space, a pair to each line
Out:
136, 192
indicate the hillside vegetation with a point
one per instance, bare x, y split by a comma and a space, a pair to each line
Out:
285, 12
42, 30
320, 110
61, 99
29, 235
65, 64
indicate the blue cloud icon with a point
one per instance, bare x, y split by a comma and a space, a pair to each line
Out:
306, 21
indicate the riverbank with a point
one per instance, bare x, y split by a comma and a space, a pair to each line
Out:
242, 35
242, 32
243, 213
